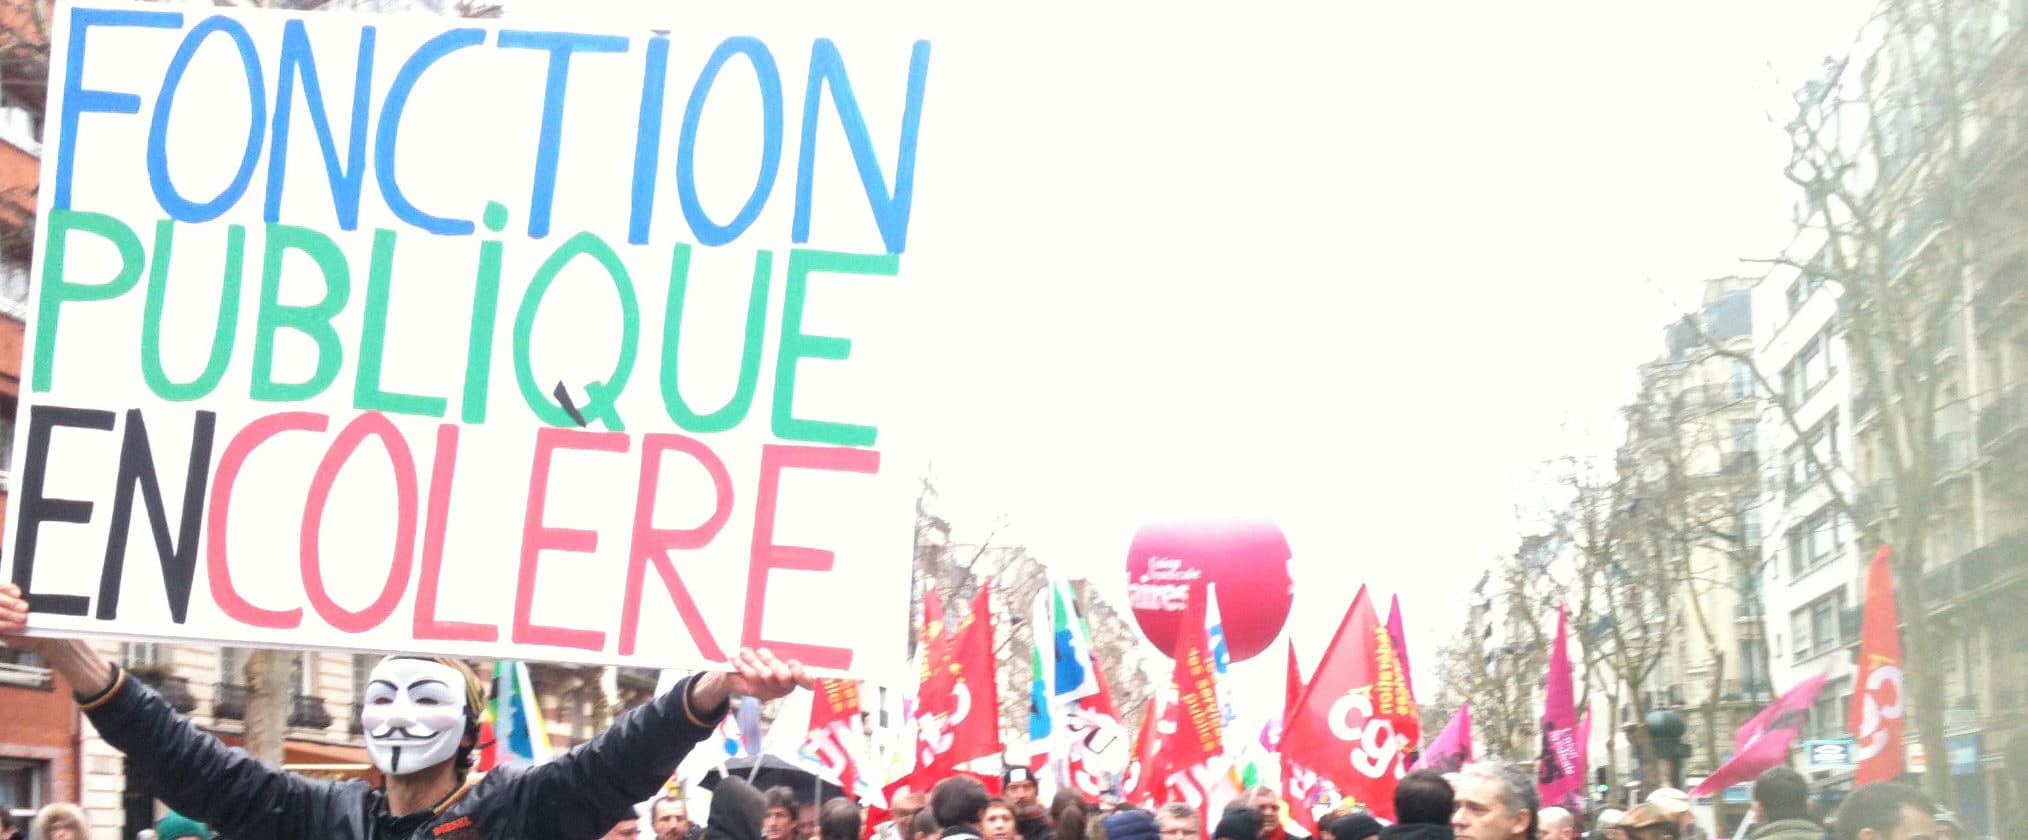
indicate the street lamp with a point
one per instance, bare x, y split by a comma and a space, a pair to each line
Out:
1665, 730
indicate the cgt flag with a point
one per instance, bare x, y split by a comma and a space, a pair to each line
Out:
1355, 722
1876, 705
1195, 725
958, 719
833, 712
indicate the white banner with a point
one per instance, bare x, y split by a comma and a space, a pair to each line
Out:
436, 335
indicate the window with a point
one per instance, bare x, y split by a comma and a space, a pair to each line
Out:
1800, 290
1744, 435
23, 668
1749, 520
1817, 627
1816, 540
1742, 379
140, 655
23, 783
232, 666
1827, 715
1810, 370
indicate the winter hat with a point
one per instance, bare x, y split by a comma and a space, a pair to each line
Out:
1670, 800
1015, 775
1358, 825
175, 826
1132, 824
1647, 814
736, 811
1238, 824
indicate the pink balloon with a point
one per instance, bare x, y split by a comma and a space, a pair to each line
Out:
1248, 559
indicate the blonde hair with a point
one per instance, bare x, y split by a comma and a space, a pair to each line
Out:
475, 688
475, 705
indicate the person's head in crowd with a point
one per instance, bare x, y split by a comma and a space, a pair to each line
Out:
1017, 786
1556, 823
627, 829
996, 822
737, 811
1675, 803
669, 818
778, 821
420, 715
1357, 825
806, 821
1239, 823
1067, 814
1494, 802
1095, 825
923, 826
1650, 821
1132, 824
1780, 794
1268, 802
1609, 824
839, 819
60, 821
175, 826
1179, 821
907, 803
1423, 797
1885, 811
958, 801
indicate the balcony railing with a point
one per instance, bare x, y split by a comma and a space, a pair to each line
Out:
1999, 563
230, 702
2005, 415
308, 712
1997, 301
305, 712
174, 689
1739, 690
1927, 214
1953, 452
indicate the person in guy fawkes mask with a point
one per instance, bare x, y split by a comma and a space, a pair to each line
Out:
421, 720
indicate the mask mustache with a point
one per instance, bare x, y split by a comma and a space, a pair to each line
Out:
393, 731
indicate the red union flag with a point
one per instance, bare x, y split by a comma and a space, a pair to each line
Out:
1355, 723
959, 716
833, 711
1199, 720
1876, 704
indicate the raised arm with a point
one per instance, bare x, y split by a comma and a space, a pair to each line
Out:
174, 760
584, 792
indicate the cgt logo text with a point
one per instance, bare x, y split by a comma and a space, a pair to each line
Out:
1376, 747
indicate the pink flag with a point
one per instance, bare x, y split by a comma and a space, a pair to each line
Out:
1452, 749
1763, 743
1561, 774
1400, 640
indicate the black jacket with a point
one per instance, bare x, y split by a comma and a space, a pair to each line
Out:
578, 796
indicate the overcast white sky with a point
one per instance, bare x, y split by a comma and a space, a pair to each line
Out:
1359, 268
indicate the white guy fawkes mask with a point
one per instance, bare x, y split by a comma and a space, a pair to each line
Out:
413, 714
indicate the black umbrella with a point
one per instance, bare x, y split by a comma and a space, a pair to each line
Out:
774, 772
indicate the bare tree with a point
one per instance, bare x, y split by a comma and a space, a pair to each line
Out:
1907, 158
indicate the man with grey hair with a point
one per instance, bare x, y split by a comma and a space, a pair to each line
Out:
1557, 824
1268, 802
1179, 821
1494, 802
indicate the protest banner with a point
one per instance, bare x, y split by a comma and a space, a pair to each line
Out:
434, 335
